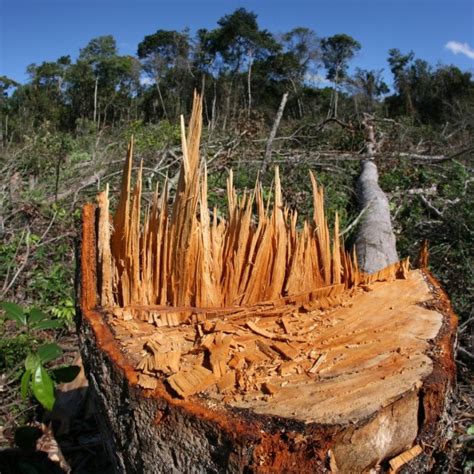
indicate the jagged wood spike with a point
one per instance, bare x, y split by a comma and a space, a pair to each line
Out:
104, 252
188, 260
120, 231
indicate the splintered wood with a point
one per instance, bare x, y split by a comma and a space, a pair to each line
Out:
186, 258
236, 302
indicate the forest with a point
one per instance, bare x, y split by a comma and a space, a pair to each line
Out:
294, 99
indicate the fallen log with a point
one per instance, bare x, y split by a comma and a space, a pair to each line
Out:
247, 344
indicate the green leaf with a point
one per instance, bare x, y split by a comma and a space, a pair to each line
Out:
25, 382
43, 387
32, 361
14, 312
48, 352
35, 315
66, 374
470, 430
48, 324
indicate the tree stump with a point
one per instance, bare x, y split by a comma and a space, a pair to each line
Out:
245, 345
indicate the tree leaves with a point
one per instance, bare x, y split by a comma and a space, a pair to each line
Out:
35, 315
49, 324
48, 352
25, 384
43, 387
33, 319
14, 312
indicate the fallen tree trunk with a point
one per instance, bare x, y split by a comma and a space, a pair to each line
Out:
233, 346
375, 242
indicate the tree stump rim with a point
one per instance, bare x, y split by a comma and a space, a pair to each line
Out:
244, 419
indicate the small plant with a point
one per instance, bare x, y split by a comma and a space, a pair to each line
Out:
37, 379
34, 319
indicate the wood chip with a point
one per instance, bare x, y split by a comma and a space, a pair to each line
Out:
225, 327
186, 383
287, 368
269, 389
266, 349
317, 363
146, 381
286, 350
398, 461
285, 320
227, 382
271, 335
237, 362
254, 356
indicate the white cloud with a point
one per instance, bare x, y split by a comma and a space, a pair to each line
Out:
460, 48
146, 80
316, 79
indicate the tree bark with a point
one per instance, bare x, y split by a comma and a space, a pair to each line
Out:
375, 241
249, 84
96, 86
363, 410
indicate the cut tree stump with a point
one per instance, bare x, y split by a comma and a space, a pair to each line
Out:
249, 344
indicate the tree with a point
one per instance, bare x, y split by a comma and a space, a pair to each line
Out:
7, 85
399, 66
99, 55
302, 53
237, 43
165, 54
369, 85
359, 358
337, 51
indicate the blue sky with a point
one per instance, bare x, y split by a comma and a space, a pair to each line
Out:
32, 31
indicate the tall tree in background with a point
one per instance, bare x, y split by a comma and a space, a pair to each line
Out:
399, 66
99, 55
204, 64
368, 86
304, 48
337, 51
45, 91
166, 54
7, 85
237, 43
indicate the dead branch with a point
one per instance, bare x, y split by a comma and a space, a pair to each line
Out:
276, 123
6, 285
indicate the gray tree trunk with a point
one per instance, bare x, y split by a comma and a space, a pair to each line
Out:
276, 124
375, 242
96, 86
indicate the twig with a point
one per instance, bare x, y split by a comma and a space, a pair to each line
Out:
355, 221
53, 239
21, 267
14, 257
465, 354
47, 229
465, 324
430, 206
